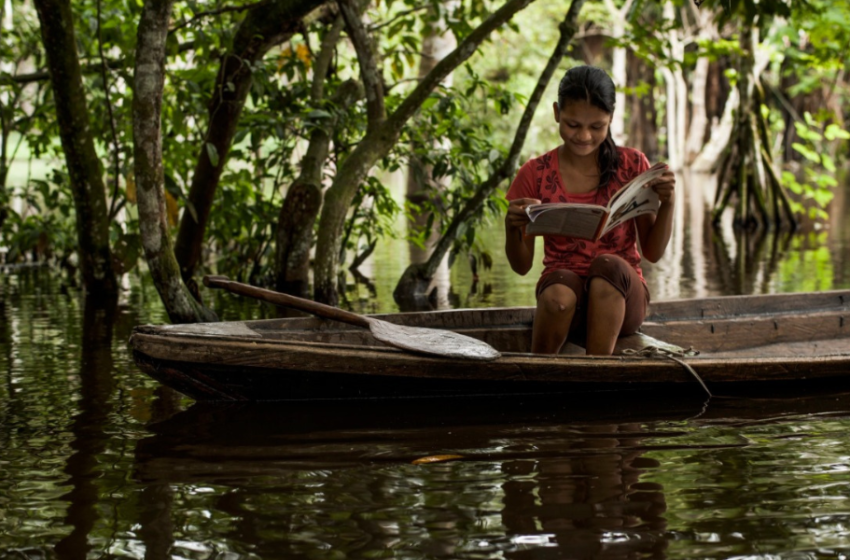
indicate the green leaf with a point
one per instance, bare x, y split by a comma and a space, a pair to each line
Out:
834, 131
319, 114
212, 153
827, 162
806, 152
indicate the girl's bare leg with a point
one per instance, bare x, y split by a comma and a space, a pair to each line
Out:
606, 309
556, 307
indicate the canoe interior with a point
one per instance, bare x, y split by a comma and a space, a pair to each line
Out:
779, 324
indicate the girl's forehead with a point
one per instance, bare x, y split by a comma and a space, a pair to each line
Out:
583, 111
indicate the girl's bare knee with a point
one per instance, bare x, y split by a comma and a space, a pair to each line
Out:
600, 288
558, 299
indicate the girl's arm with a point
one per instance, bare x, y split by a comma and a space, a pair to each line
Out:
654, 230
518, 247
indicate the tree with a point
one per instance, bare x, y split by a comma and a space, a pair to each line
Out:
84, 169
149, 78
382, 132
265, 25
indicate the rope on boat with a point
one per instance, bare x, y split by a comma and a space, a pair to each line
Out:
658, 352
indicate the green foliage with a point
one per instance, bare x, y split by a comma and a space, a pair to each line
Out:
474, 120
45, 230
818, 179
465, 156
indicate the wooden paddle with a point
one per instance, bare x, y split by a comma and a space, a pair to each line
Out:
436, 342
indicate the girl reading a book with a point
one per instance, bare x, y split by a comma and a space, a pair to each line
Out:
589, 289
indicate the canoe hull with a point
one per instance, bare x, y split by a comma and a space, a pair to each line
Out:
762, 345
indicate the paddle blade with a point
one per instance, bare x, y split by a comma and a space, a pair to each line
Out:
435, 342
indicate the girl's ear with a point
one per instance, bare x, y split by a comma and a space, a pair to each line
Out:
557, 111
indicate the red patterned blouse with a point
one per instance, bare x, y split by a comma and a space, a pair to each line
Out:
540, 178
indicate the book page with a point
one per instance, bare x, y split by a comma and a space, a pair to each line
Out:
571, 220
635, 198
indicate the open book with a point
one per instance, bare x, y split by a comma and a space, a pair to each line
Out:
591, 221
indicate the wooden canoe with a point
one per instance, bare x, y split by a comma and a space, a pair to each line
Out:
765, 343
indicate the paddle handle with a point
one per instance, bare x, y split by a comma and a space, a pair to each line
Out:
286, 300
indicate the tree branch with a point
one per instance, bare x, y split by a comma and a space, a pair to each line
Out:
324, 58
464, 50
398, 16
217, 12
91, 68
369, 72
568, 29
104, 77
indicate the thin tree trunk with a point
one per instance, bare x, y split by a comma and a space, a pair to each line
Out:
377, 144
707, 29
84, 170
676, 107
148, 83
417, 277
421, 186
300, 208
619, 68
264, 26
643, 128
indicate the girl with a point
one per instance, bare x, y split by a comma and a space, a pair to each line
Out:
591, 289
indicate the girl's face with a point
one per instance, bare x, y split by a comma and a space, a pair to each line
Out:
583, 126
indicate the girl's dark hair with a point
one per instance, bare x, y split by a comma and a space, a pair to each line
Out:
595, 86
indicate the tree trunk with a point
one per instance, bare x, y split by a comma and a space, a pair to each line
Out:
421, 186
264, 26
57, 32
417, 276
375, 145
619, 68
148, 83
294, 236
676, 89
300, 208
707, 29
643, 130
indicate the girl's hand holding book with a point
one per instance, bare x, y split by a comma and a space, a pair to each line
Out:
516, 216
665, 186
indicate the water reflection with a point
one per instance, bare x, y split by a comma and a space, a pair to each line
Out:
535, 479
89, 427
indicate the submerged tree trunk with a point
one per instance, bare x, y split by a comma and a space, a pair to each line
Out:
417, 277
746, 173
147, 153
266, 25
422, 188
382, 135
677, 93
707, 30
619, 68
643, 128
57, 32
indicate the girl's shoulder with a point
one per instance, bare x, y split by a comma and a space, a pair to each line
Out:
631, 160
542, 163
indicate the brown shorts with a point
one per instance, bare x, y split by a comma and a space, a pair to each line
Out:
616, 272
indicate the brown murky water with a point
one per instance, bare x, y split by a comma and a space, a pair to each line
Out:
98, 461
